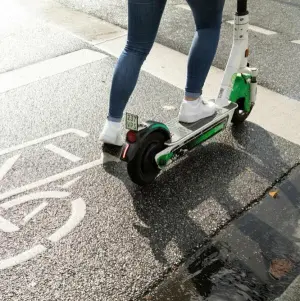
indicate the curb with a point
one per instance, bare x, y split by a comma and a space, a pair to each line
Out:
292, 293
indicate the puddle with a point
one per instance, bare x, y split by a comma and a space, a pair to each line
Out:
217, 275
254, 259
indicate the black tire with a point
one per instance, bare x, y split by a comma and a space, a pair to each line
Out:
143, 169
240, 114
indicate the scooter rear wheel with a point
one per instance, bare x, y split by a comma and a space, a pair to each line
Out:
143, 169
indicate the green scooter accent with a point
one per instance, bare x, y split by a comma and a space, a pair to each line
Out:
163, 160
241, 89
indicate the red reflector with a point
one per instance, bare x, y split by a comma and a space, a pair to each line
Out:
131, 136
125, 151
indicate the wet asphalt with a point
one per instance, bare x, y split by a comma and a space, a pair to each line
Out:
255, 258
130, 238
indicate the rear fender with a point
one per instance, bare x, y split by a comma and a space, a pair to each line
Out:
129, 150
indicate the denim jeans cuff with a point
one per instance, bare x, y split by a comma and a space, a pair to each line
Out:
114, 119
192, 94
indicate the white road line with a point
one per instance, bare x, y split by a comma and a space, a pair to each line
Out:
50, 179
251, 27
271, 111
101, 31
7, 226
296, 42
8, 164
63, 153
184, 6
34, 212
70, 183
169, 108
166, 64
77, 215
26, 75
257, 29
35, 196
22, 257
106, 157
43, 139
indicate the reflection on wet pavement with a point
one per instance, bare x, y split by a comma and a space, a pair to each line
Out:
253, 259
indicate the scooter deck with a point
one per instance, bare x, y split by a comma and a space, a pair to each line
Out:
181, 131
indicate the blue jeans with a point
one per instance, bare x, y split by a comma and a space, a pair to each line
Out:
143, 23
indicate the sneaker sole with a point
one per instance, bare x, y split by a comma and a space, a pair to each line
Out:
108, 140
195, 119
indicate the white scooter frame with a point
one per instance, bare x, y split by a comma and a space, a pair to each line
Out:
238, 61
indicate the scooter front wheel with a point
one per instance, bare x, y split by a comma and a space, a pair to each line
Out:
240, 114
143, 169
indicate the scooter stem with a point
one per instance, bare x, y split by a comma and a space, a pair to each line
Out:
242, 8
238, 59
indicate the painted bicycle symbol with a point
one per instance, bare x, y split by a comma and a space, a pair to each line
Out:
78, 209
27, 194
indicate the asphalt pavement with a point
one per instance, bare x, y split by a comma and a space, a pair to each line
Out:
129, 237
26, 37
72, 224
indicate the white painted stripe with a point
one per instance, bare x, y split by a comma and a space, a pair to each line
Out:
87, 27
271, 112
35, 196
7, 226
63, 153
184, 6
26, 75
29, 254
77, 215
70, 183
296, 42
166, 64
51, 179
34, 212
7, 165
106, 157
169, 108
251, 27
257, 29
43, 139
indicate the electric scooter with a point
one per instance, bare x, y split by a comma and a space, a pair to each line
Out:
152, 146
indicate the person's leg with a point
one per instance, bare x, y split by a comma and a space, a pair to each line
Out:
144, 17
208, 19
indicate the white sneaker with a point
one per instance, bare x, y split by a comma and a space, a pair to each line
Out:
111, 133
192, 111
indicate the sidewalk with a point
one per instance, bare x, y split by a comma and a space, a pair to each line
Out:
292, 293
